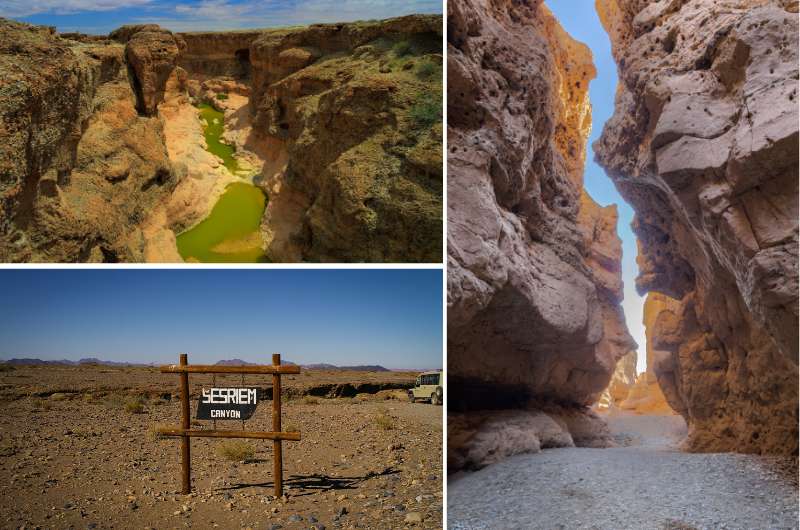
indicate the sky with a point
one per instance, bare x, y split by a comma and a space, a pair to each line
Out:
102, 16
343, 317
580, 20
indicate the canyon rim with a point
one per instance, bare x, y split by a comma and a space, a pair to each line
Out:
338, 126
703, 145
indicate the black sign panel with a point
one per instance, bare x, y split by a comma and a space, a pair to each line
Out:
227, 403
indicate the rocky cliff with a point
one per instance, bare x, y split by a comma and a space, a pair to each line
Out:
359, 109
534, 284
79, 165
704, 145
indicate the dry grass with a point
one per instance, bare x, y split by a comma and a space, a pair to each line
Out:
154, 435
310, 400
42, 404
236, 450
134, 406
384, 421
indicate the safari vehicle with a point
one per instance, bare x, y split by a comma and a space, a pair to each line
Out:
428, 386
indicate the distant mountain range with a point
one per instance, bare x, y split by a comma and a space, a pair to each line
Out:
88, 360
224, 362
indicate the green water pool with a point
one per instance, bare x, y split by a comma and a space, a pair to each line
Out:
230, 234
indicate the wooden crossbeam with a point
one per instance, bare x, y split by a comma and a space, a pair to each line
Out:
216, 369
210, 433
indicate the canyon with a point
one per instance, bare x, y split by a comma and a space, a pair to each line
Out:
703, 145
337, 126
549, 425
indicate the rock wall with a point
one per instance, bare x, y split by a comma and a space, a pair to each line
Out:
533, 263
646, 396
622, 383
218, 54
79, 167
704, 145
358, 107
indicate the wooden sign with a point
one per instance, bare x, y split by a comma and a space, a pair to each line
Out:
227, 403
228, 396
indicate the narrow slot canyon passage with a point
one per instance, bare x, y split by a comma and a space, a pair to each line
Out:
613, 361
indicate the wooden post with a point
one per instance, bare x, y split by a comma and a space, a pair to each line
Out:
277, 456
186, 473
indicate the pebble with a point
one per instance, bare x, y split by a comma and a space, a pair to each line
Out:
413, 517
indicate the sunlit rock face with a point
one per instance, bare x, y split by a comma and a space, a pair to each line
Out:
703, 144
533, 263
646, 396
622, 383
79, 166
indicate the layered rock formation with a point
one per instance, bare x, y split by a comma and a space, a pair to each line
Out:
79, 167
346, 119
621, 386
359, 109
703, 144
533, 263
646, 396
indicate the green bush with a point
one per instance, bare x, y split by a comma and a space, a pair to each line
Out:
402, 48
427, 110
222, 96
426, 70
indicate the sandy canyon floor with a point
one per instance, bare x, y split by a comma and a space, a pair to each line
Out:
74, 456
645, 483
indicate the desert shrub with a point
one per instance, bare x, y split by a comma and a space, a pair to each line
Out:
427, 110
384, 421
5, 367
42, 404
222, 96
134, 406
402, 48
236, 450
153, 434
426, 69
310, 400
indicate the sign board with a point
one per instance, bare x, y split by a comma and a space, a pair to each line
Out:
227, 403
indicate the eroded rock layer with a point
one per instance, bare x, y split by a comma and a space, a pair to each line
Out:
533, 263
703, 144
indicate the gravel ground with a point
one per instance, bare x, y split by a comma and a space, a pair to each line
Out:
647, 484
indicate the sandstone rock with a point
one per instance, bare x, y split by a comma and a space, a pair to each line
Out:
78, 166
703, 144
646, 396
481, 438
622, 383
534, 281
533, 262
152, 54
363, 180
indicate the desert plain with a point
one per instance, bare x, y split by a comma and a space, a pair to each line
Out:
79, 449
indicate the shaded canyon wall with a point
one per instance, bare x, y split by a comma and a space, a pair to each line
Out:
704, 145
534, 321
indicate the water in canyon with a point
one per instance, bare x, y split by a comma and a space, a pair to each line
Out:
230, 233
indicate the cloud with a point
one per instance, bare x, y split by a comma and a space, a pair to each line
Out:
24, 8
227, 14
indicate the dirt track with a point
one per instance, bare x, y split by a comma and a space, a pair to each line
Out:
81, 460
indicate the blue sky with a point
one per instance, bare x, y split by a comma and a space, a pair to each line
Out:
387, 317
580, 20
102, 16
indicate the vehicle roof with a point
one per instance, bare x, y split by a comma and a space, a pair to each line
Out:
431, 372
